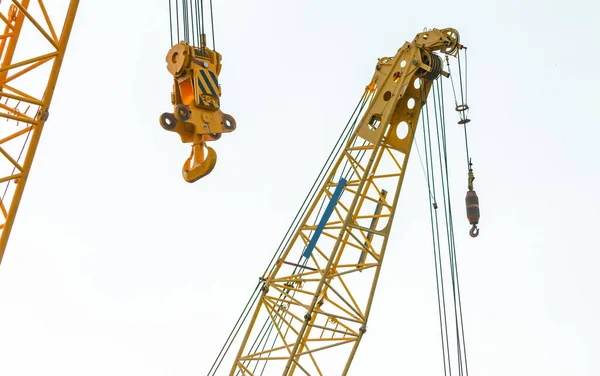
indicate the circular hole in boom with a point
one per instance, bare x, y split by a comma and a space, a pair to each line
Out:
402, 130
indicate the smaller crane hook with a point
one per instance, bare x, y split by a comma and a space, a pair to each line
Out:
474, 231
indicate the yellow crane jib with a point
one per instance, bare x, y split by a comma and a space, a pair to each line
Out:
196, 116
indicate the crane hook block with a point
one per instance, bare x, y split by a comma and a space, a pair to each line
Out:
197, 117
472, 202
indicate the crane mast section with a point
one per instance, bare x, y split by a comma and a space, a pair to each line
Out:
316, 300
28, 74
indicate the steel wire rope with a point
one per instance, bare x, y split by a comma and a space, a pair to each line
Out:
443, 163
202, 23
223, 352
451, 240
212, 25
436, 254
171, 21
177, 18
186, 34
193, 24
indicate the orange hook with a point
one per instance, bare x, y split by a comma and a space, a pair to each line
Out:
197, 165
474, 231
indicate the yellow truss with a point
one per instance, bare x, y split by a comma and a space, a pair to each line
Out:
25, 68
319, 304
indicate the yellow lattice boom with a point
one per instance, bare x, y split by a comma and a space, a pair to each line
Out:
32, 47
317, 298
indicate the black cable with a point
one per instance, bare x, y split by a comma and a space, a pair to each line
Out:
452, 249
224, 351
309, 196
266, 327
200, 26
202, 18
177, 18
432, 204
466, 75
462, 98
192, 18
186, 32
212, 24
171, 22
446, 199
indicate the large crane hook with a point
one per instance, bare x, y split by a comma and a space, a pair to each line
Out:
197, 116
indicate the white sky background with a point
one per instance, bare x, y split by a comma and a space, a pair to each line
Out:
117, 266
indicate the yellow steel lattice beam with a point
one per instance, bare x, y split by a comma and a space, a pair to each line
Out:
26, 112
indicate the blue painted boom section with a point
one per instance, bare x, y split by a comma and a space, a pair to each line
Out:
328, 211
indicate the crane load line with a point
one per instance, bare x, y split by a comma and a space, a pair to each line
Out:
187, 22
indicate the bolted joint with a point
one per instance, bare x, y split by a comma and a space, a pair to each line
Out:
44, 114
307, 317
264, 289
363, 329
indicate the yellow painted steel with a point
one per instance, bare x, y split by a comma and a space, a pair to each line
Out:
25, 111
319, 306
197, 116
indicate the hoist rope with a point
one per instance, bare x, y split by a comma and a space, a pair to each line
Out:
441, 154
443, 163
462, 352
212, 24
435, 242
171, 22
187, 17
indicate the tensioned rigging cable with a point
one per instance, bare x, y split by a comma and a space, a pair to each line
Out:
442, 161
186, 17
435, 242
452, 245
